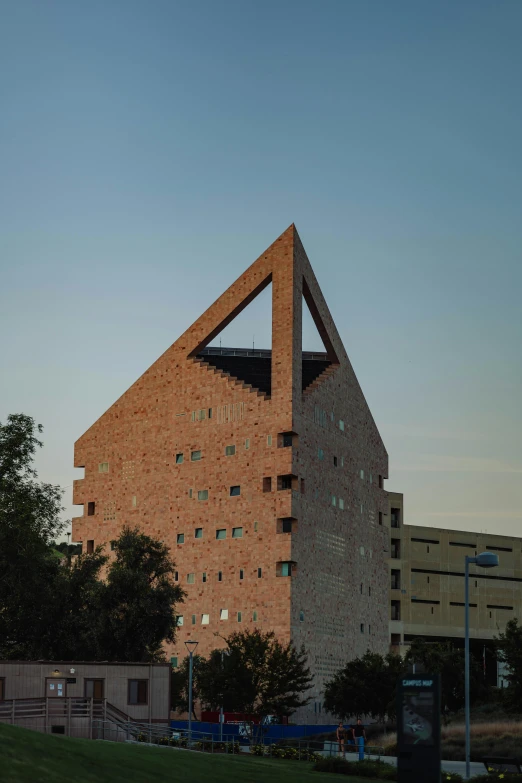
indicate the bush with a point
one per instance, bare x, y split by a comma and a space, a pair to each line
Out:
377, 770
503, 777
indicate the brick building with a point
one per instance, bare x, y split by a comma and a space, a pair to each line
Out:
262, 470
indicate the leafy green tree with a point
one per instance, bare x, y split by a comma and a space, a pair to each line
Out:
259, 676
365, 686
139, 599
509, 650
448, 661
29, 521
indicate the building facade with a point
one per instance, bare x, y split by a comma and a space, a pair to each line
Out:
427, 585
263, 471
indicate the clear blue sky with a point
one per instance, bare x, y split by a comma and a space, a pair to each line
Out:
151, 150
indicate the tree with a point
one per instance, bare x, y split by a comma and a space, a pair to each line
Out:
448, 661
365, 686
138, 605
258, 676
509, 649
179, 684
29, 521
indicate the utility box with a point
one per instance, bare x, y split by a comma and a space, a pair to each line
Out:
418, 729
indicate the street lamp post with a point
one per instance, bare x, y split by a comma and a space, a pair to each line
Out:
191, 646
484, 560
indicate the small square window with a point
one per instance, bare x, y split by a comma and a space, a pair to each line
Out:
301, 616
287, 439
286, 526
210, 413
239, 617
268, 440
191, 578
342, 462
91, 508
220, 576
90, 547
193, 416
362, 627
176, 576
380, 517
241, 573
113, 546
320, 454
223, 615
285, 482
180, 539
202, 414
267, 484
254, 616
335, 462
103, 467
259, 573
361, 474
341, 425
302, 486
193, 619
235, 491
174, 661
205, 619
334, 500
237, 532
341, 504
221, 534
203, 494
230, 451
255, 526
134, 501
198, 532
138, 691
190, 493
204, 576
179, 458
286, 569
247, 443
179, 620
195, 456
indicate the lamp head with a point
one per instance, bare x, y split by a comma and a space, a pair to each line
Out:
191, 646
486, 560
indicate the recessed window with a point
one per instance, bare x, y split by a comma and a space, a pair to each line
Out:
361, 588
335, 462
91, 508
223, 615
320, 454
203, 494
193, 619
380, 517
230, 451
287, 439
334, 500
342, 462
174, 661
195, 456
138, 691
90, 547
241, 573
255, 526
254, 616
176, 576
180, 538
235, 491
267, 484
285, 482
220, 576
179, 620
301, 616
190, 493
205, 619
113, 546
237, 532
103, 467
341, 425
179, 458
286, 569
134, 501
381, 482
204, 576
191, 578
362, 627
202, 414
302, 486
247, 443
210, 413
259, 573
198, 532
371, 478
341, 504
221, 534
239, 617
268, 440
286, 525
361, 473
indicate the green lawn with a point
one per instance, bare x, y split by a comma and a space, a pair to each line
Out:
31, 757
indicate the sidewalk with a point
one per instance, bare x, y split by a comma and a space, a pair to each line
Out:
476, 767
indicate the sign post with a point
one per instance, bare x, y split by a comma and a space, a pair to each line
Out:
418, 729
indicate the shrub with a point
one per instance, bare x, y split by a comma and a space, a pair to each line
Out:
501, 777
377, 770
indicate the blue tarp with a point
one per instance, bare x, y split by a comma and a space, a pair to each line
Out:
270, 734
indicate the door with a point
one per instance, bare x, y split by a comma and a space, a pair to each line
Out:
55, 687
94, 689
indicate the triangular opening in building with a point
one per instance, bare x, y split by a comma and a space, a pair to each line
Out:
318, 357
242, 349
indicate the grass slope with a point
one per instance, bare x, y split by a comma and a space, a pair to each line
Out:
31, 757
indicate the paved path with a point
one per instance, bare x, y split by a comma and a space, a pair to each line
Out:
476, 767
